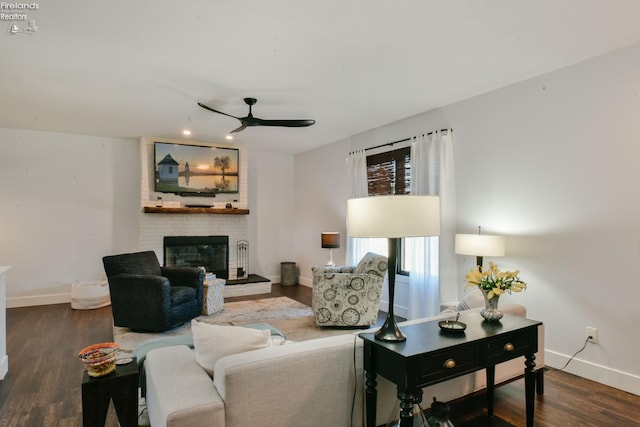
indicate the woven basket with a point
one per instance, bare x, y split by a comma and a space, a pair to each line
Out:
99, 359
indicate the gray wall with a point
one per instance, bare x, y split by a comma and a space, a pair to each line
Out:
552, 163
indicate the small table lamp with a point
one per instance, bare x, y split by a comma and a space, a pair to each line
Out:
480, 245
330, 240
393, 217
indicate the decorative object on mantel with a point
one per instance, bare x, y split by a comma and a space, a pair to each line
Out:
330, 240
493, 283
393, 217
480, 245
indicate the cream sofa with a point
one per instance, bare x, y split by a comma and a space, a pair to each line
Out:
309, 383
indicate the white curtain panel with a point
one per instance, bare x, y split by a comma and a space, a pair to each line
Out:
433, 275
357, 187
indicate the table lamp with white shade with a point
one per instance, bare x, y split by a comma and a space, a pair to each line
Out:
393, 217
480, 245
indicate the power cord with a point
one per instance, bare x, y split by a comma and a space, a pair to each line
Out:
576, 353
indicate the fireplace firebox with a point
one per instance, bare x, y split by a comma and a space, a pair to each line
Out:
210, 252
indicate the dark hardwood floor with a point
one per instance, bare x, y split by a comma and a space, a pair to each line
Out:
42, 387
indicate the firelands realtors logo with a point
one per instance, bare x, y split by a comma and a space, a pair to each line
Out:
19, 14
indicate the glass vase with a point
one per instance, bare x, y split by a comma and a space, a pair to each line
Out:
490, 312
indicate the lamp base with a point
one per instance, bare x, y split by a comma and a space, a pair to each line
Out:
390, 331
330, 263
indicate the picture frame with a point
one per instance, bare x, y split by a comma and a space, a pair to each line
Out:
195, 170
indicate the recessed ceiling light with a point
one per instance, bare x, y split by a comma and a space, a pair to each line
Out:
186, 132
229, 137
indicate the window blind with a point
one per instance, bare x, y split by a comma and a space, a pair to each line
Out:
389, 172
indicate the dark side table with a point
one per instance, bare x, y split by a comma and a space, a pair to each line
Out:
429, 356
121, 386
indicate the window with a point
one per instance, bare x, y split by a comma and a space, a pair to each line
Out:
390, 173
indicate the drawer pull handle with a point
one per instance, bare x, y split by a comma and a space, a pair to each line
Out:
449, 363
508, 347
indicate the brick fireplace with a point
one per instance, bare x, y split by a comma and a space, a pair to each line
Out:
154, 226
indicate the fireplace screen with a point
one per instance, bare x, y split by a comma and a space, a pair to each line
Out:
210, 252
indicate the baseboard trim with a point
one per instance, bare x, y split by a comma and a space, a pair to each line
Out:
594, 372
38, 300
305, 282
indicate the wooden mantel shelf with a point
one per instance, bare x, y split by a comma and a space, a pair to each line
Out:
216, 211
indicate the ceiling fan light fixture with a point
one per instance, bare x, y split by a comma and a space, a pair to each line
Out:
228, 137
186, 132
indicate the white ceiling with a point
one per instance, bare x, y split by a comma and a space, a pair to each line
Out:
133, 68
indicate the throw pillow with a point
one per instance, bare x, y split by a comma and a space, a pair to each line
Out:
372, 263
472, 300
212, 342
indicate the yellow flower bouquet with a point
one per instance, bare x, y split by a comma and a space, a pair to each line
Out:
495, 282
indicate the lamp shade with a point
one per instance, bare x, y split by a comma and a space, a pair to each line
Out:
393, 216
480, 245
330, 239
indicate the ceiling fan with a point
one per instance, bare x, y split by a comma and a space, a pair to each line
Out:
254, 121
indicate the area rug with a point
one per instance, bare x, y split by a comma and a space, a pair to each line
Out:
293, 318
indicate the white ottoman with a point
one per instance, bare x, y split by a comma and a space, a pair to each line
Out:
213, 296
89, 295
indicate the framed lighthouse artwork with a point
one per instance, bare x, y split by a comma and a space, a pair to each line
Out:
195, 170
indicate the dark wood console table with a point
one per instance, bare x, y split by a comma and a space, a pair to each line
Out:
430, 356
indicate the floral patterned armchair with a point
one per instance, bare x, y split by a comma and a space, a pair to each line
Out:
349, 296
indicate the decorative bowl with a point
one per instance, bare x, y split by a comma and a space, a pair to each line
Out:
452, 326
99, 359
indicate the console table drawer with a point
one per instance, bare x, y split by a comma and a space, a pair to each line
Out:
447, 364
506, 347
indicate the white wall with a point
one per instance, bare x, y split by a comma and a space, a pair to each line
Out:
553, 164
66, 200
271, 189
320, 196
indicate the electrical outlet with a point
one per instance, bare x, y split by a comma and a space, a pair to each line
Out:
593, 333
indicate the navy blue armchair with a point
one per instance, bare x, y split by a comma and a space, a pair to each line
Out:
148, 297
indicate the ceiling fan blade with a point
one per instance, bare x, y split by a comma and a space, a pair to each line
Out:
285, 123
240, 129
206, 107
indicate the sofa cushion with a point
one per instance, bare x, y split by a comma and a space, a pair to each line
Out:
179, 391
211, 342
